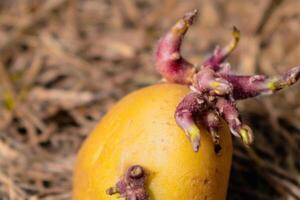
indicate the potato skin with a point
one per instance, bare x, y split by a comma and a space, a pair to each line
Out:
141, 129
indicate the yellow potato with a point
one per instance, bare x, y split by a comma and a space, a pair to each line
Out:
141, 130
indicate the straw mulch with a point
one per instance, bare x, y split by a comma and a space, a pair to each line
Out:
64, 63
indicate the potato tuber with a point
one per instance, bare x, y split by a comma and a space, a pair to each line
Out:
141, 130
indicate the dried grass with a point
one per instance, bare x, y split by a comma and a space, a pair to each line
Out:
64, 63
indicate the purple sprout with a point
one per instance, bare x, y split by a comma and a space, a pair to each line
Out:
214, 88
132, 186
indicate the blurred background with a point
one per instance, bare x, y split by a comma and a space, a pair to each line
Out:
64, 63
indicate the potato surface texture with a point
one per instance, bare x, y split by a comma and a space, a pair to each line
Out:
141, 130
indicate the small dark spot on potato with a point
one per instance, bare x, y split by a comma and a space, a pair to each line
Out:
217, 148
217, 171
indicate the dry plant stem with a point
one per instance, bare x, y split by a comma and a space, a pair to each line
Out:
272, 173
285, 134
132, 185
9, 95
29, 24
214, 87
